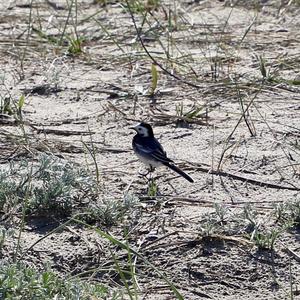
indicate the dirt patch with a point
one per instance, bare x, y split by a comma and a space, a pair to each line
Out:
227, 111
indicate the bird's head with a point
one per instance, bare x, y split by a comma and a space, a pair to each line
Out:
143, 129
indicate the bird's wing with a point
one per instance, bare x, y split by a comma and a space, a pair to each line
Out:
152, 148
161, 156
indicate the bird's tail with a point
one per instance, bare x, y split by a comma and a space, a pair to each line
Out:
180, 172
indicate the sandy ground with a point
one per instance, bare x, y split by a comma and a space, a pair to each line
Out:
213, 45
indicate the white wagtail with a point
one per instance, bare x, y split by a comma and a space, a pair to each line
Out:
150, 151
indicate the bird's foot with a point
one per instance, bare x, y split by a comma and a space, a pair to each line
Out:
144, 174
149, 172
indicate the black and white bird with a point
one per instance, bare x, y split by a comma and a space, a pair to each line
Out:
150, 151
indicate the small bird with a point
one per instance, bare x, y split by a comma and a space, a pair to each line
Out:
150, 151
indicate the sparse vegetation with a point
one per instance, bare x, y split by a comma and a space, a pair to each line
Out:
263, 232
21, 282
219, 82
52, 186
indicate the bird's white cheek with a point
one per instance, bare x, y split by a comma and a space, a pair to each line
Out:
144, 132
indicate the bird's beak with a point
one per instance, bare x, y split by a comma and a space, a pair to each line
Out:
133, 127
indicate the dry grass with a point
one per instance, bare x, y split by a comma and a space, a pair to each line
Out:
219, 81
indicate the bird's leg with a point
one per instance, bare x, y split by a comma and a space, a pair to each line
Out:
145, 174
149, 171
152, 187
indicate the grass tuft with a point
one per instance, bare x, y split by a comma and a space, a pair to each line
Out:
21, 282
51, 185
110, 211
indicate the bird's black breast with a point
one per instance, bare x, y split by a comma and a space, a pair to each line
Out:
147, 144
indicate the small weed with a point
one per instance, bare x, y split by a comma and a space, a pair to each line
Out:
271, 74
110, 211
221, 213
208, 227
265, 240
250, 215
6, 106
262, 67
152, 5
194, 113
152, 188
288, 214
4, 234
215, 222
268, 74
295, 213
281, 212
12, 107
75, 45
137, 6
